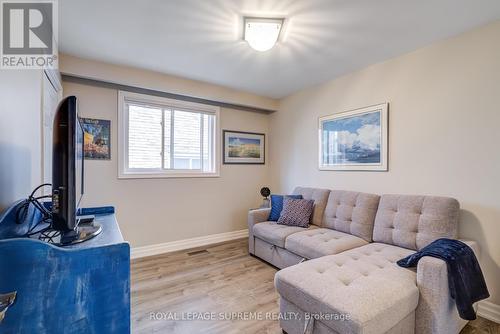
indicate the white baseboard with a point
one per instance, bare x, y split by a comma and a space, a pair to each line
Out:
489, 311
167, 247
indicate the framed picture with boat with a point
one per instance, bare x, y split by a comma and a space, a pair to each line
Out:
355, 140
244, 147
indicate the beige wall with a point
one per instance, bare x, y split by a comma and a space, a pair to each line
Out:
152, 211
162, 82
444, 133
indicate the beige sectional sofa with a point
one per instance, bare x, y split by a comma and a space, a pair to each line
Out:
340, 274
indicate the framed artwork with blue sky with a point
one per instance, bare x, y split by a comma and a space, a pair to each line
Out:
355, 140
244, 147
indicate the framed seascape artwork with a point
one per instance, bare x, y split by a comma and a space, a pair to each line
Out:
97, 139
355, 140
244, 147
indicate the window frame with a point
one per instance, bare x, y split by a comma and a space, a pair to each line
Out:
124, 98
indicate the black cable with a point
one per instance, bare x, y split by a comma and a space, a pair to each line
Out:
49, 235
39, 187
44, 196
23, 209
32, 231
44, 233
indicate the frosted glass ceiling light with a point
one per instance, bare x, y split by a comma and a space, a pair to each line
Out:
262, 33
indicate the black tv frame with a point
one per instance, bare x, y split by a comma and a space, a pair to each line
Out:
65, 200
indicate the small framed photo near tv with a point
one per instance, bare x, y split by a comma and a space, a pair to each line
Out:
244, 147
355, 140
97, 139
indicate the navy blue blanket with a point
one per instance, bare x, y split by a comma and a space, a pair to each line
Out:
465, 277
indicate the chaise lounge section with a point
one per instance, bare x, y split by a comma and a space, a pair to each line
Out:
341, 220
351, 281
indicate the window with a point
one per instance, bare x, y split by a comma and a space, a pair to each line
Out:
161, 137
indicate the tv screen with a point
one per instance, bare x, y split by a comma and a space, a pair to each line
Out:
68, 176
67, 166
79, 189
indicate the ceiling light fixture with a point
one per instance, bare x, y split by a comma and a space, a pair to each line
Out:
262, 33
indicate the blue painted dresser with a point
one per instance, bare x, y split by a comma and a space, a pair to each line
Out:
84, 288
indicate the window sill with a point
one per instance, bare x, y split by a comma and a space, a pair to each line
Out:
166, 175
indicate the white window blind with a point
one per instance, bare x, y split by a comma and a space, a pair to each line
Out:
162, 137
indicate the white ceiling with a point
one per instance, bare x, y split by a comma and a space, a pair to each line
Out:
201, 39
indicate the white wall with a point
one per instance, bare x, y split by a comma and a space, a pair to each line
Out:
152, 211
20, 134
444, 133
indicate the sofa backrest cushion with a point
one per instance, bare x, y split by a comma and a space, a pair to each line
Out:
320, 197
351, 212
415, 221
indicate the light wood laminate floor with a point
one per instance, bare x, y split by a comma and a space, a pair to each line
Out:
221, 282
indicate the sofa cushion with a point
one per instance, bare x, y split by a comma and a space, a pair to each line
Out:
320, 197
364, 283
351, 212
275, 233
415, 221
320, 242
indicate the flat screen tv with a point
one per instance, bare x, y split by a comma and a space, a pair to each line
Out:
67, 173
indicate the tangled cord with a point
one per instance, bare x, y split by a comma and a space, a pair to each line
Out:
49, 235
46, 233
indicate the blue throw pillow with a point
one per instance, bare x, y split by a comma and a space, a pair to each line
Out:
277, 205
